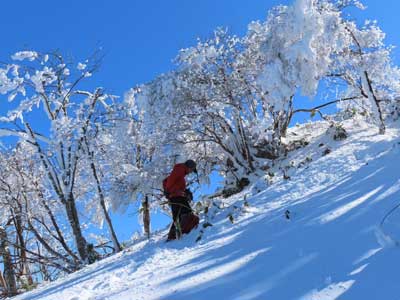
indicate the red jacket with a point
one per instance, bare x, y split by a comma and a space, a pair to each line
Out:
176, 183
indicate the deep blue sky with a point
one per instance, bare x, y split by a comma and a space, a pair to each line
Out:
140, 38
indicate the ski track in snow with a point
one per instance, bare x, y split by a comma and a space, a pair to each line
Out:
330, 248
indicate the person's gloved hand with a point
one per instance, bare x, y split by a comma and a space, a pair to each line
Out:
189, 194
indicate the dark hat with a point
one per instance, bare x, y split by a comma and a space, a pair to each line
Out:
191, 164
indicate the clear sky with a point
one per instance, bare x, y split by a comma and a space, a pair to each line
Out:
140, 38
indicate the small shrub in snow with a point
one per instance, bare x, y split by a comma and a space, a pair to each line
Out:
294, 145
304, 162
337, 132
286, 171
326, 151
231, 219
239, 186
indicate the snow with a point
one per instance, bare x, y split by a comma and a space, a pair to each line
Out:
22, 55
333, 291
81, 66
331, 247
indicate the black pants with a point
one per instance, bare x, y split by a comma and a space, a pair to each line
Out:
179, 206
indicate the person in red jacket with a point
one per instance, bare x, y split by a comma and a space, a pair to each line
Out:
179, 197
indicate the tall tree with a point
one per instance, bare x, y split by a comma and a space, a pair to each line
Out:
48, 83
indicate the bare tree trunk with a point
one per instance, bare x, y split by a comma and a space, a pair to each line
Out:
245, 146
288, 117
24, 261
43, 266
59, 237
3, 282
382, 127
73, 219
114, 238
146, 216
69, 200
9, 273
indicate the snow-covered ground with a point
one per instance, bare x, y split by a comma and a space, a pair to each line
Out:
331, 247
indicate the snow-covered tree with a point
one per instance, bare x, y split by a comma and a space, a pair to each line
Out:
366, 68
230, 100
139, 159
49, 85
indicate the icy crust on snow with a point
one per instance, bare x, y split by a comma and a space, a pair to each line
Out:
313, 236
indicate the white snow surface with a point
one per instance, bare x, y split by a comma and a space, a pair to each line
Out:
332, 247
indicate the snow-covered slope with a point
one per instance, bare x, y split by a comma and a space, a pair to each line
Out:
331, 247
